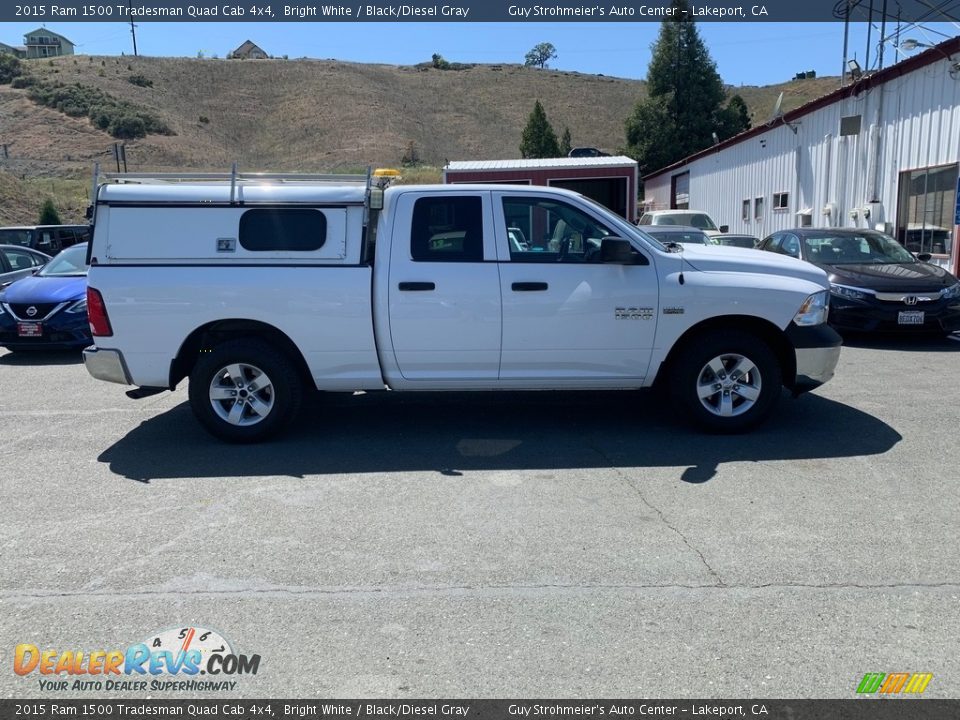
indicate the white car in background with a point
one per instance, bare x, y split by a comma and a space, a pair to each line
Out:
689, 218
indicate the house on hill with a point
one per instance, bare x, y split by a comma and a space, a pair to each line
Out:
248, 51
12, 50
41, 43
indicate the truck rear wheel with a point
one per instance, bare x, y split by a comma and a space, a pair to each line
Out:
727, 381
244, 391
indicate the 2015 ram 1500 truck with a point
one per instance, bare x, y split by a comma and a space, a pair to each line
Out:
257, 288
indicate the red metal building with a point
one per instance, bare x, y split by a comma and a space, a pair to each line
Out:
611, 181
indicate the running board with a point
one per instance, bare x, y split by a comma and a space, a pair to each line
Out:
143, 392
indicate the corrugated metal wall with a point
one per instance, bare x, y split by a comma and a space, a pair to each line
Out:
911, 121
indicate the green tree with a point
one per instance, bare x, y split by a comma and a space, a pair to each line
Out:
49, 214
734, 118
539, 140
684, 107
438, 62
540, 55
565, 143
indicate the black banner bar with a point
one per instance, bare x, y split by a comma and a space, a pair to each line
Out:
853, 709
906, 11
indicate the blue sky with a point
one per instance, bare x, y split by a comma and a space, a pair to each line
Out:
745, 53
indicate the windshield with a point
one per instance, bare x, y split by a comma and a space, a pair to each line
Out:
868, 248
71, 262
697, 220
12, 236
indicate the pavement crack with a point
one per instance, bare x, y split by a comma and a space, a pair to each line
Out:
475, 590
660, 514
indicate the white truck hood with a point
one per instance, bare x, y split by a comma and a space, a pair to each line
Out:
723, 258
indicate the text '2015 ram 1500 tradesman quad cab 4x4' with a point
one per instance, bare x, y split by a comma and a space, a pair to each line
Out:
258, 287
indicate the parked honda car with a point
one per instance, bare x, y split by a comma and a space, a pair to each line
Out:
19, 262
875, 283
49, 309
677, 233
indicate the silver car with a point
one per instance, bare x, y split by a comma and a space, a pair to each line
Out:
19, 262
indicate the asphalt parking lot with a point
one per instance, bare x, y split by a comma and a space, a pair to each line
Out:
521, 545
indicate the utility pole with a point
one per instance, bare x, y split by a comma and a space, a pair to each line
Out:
133, 30
883, 35
846, 40
866, 61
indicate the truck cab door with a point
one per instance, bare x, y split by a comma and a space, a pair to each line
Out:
568, 318
444, 289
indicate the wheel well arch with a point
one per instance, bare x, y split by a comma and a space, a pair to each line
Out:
763, 329
213, 333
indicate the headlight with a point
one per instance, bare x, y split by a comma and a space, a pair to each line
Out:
951, 292
80, 306
850, 293
814, 310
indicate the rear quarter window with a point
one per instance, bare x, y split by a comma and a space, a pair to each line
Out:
293, 230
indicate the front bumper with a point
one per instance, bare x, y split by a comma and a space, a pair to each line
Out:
817, 351
61, 330
871, 315
106, 365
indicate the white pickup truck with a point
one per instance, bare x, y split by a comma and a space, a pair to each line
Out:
257, 288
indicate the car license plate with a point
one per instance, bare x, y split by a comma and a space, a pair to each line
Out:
29, 329
910, 317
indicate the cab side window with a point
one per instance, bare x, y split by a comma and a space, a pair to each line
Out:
545, 230
447, 229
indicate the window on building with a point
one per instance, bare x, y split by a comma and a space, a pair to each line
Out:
447, 229
925, 209
850, 125
781, 201
758, 208
745, 211
296, 230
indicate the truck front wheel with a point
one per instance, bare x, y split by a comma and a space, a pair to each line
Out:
244, 391
727, 381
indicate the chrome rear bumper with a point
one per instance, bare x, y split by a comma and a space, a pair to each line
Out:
106, 365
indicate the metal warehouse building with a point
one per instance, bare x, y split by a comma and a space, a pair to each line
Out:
882, 152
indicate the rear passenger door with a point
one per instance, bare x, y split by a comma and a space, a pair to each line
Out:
444, 288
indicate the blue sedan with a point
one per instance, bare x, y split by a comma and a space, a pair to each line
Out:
49, 309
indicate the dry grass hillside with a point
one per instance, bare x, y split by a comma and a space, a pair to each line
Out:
320, 115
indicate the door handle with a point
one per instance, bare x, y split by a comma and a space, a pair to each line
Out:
528, 286
414, 286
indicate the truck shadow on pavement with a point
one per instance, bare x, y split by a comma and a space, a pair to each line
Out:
450, 433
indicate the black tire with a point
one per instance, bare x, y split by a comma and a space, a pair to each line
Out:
730, 407
260, 413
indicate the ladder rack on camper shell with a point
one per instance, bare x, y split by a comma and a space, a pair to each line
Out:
233, 177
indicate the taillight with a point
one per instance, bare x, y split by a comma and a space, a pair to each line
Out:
97, 314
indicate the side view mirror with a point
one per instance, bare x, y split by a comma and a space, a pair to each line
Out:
924, 257
724, 228
617, 250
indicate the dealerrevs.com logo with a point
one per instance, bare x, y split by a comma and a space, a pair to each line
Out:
171, 660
